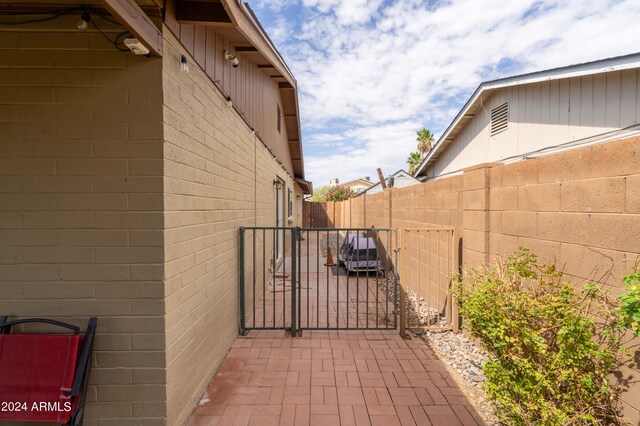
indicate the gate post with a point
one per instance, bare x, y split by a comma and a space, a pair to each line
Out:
241, 272
294, 263
401, 284
456, 269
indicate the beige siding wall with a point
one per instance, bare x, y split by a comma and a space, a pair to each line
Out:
81, 205
544, 115
218, 177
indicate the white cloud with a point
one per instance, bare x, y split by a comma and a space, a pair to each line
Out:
383, 70
275, 5
361, 151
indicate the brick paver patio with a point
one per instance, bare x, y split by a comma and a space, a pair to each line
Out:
332, 378
354, 377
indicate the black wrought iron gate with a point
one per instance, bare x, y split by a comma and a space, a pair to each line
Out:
296, 278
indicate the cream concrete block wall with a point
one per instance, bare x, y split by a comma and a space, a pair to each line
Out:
579, 209
81, 205
218, 177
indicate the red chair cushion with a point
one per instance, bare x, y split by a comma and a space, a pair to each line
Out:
36, 376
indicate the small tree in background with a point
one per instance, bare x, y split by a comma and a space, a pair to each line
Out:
425, 141
339, 193
414, 160
320, 194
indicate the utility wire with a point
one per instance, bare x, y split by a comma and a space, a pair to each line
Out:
70, 11
115, 42
54, 15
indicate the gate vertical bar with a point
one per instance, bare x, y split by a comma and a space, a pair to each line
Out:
396, 281
418, 266
347, 274
429, 303
253, 260
284, 277
386, 278
366, 324
376, 279
273, 282
294, 264
264, 279
299, 239
438, 279
241, 271
328, 248
377, 238
449, 308
337, 274
403, 300
308, 257
454, 300
318, 279
356, 252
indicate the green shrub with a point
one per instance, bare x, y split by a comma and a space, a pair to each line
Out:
552, 346
630, 303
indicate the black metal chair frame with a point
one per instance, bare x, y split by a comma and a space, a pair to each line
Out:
83, 364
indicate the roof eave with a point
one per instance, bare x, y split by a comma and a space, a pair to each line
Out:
589, 68
248, 25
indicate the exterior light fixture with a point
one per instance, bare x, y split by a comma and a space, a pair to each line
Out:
184, 64
83, 23
229, 101
277, 183
235, 62
253, 131
138, 48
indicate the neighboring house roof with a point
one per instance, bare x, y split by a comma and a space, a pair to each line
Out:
397, 175
487, 88
359, 181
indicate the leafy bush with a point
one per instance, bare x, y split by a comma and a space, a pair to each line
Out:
552, 346
339, 193
630, 303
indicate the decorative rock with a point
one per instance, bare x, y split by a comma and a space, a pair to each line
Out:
455, 350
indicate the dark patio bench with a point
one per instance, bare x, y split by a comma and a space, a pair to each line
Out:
44, 376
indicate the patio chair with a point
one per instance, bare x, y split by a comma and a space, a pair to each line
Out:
44, 377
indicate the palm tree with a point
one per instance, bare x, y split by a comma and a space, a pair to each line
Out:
414, 160
425, 141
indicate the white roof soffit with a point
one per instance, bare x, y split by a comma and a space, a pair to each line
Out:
589, 68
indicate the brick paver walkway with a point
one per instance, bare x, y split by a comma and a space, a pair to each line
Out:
356, 377
332, 378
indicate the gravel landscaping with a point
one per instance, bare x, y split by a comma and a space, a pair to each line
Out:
464, 360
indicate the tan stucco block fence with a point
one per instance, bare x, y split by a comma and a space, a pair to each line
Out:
579, 208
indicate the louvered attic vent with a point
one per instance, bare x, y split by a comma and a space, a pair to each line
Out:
500, 119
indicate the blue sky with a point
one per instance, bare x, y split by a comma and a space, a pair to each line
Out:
371, 72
